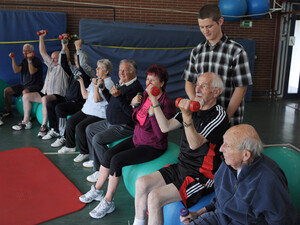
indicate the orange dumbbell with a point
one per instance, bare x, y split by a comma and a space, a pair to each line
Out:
39, 33
194, 105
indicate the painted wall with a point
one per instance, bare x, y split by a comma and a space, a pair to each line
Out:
165, 12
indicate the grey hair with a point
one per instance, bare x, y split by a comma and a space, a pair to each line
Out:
217, 82
107, 65
253, 145
133, 66
31, 46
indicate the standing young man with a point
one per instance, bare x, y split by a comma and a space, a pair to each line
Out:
220, 55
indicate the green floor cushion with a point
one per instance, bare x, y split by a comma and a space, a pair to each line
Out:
289, 161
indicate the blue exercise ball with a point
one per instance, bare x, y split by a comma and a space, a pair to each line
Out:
171, 211
233, 8
258, 7
3, 85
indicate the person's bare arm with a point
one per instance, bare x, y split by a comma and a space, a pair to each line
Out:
190, 90
16, 68
42, 46
236, 99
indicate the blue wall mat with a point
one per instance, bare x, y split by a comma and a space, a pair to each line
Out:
20, 27
169, 45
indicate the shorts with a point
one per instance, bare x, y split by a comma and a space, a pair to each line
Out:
57, 96
18, 89
191, 187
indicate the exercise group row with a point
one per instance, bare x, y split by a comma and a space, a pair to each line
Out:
250, 187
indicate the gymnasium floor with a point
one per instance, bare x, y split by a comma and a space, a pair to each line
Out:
277, 122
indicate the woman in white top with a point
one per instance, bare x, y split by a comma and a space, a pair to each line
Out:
92, 111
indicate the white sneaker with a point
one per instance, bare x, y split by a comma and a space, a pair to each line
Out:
88, 164
65, 150
59, 142
1, 122
50, 134
93, 178
92, 195
22, 126
102, 209
81, 157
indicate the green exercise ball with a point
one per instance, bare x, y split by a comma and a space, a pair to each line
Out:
110, 145
19, 105
289, 161
39, 113
133, 172
3, 85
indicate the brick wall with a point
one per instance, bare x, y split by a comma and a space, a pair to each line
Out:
164, 12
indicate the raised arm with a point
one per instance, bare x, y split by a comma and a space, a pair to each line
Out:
195, 139
42, 46
16, 68
165, 125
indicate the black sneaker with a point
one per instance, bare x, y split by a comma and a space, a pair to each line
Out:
5, 114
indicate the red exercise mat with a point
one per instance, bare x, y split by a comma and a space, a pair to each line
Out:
33, 190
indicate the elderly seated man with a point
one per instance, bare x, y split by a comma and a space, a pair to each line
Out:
193, 176
250, 187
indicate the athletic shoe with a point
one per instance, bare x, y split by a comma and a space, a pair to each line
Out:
1, 122
22, 126
93, 178
92, 195
43, 131
65, 150
103, 208
5, 114
81, 157
50, 134
88, 164
59, 142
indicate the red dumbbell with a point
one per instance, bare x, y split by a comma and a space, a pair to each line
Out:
39, 33
194, 105
12, 54
154, 91
62, 37
32, 55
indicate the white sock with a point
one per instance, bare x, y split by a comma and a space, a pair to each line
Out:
138, 222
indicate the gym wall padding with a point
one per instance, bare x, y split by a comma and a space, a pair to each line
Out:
169, 45
20, 27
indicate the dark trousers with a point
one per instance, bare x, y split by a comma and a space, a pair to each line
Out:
126, 153
61, 108
77, 124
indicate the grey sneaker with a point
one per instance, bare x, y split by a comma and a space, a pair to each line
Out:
102, 209
92, 195
50, 134
59, 142
22, 126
